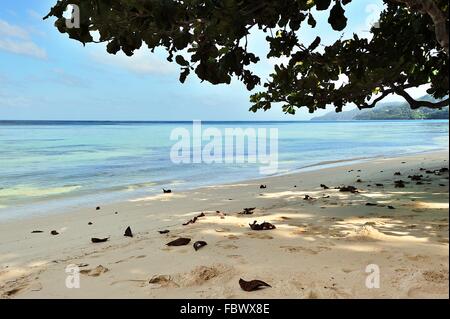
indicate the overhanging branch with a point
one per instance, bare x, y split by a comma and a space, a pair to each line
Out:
415, 104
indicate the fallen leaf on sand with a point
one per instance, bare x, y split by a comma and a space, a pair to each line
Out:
163, 231
99, 240
248, 211
37, 231
54, 232
399, 184
179, 242
192, 221
351, 189
263, 226
199, 244
252, 285
128, 232
371, 204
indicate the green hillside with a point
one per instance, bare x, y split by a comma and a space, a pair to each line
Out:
387, 111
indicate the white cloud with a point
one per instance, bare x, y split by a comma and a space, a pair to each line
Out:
23, 48
143, 62
10, 30
16, 40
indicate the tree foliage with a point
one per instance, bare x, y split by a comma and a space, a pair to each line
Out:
209, 37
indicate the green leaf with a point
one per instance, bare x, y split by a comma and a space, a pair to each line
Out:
181, 60
311, 21
337, 17
322, 4
315, 44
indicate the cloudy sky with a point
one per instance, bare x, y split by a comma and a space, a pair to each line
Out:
46, 76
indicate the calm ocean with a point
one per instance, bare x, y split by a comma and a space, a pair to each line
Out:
46, 166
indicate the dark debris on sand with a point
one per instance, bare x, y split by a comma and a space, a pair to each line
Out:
252, 284
263, 226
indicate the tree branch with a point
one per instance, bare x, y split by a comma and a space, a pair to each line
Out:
415, 104
378, 99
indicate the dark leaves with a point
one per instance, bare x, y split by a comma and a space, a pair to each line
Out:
99, 240
252, 285
322, 4
179, 242
184, 74
37, 231
162, 232
199, 244
337, 17
263, 226
311, 21
181, 60
54, 233
314, 44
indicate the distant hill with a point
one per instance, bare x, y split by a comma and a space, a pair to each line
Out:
387, 111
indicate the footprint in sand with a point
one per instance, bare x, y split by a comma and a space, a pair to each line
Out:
258, 235
311, 251
198, 276
226, 245
417, 257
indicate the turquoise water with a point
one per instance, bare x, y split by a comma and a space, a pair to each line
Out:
73, 163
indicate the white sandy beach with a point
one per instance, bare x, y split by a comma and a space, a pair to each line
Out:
319, 249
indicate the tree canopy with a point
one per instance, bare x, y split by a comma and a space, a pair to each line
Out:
407, 48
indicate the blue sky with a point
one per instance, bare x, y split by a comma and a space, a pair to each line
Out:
45, 75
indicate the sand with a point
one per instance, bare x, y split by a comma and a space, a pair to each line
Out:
320, 248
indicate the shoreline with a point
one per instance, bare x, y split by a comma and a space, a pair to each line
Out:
73, 202
314, 240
